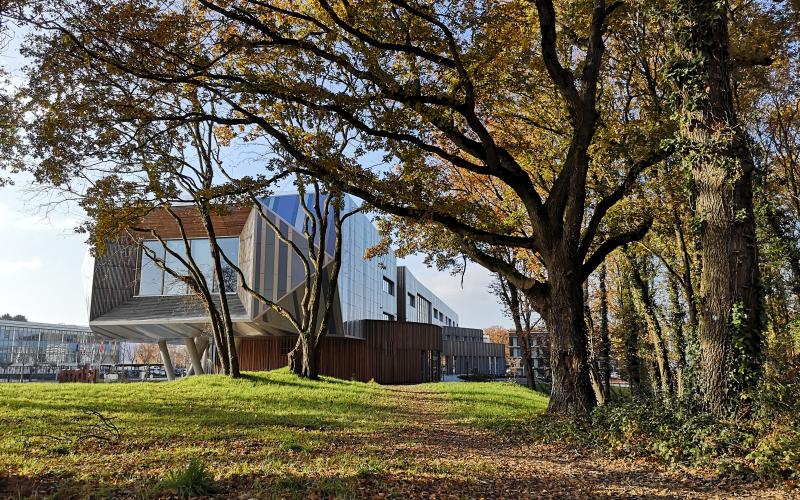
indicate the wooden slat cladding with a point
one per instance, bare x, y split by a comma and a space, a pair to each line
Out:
341, 357
114, 279
393, 353
227, 224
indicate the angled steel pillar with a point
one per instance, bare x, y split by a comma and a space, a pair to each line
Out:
162, 346
191, 347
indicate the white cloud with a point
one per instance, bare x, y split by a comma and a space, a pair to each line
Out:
12, 266
14, 220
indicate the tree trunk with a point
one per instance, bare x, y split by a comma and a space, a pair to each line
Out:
219, 339
571, 391
295, 355
604, 357
664, 370
527, 363
688, 281
629, 325
311, 357
229, 339
730, 334
514, 303
678, 338
748, 341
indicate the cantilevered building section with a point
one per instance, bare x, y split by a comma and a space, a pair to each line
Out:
133, 299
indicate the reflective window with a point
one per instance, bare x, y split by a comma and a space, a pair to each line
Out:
388, 286
151, 276
173, 285
230, 248
411, 300
154, 281
201, 254
423, 309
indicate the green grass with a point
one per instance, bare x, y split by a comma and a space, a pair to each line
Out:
267, 435
492, 405
265, 423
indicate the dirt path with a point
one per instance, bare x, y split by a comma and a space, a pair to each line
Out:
460, 462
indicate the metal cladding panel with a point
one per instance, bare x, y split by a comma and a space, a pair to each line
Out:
412, 286
464, 334
114, 278
360, 280
247, 257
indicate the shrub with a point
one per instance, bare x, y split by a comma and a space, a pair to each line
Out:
764, 443
192, 481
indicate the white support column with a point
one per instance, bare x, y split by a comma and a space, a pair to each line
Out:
204, 358
191, 347
162, 346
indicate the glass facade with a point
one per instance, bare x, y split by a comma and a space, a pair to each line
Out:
363, 283
154, 281
23, 343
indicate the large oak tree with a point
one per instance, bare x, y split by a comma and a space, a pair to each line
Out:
512, 93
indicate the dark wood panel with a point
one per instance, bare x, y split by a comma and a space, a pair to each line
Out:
391, 353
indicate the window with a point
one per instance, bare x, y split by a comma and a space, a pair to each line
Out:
151, 279
388, 286
173, 285
388, 317
423, 309
155, 281
411, 300
435, 313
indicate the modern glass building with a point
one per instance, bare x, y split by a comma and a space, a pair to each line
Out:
133, 299
40, 344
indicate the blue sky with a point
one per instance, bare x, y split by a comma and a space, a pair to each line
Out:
42, 259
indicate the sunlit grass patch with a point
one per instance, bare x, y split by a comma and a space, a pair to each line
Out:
232, 426
492, 405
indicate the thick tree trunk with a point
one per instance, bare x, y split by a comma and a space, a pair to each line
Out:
747, 325
722, 167
311, 357
571, 391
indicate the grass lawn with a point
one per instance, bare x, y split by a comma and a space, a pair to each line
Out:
268, 434
492, 405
